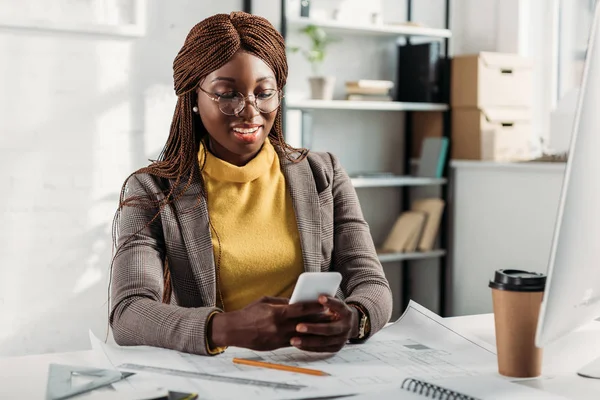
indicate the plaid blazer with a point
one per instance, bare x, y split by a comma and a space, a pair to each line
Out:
333, 236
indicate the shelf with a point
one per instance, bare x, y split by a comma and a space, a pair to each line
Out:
125, 31
394, 181
391, 257
369, 29
363, 105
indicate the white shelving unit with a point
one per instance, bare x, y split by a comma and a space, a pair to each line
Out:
390, 32
391, 257
126, 31
363, 105
396, 181
386, 30
126, 20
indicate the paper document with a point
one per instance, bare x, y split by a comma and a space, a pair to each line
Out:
480, 388
495, 388
392, 392
418, 345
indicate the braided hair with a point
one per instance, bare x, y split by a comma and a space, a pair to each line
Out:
209, 45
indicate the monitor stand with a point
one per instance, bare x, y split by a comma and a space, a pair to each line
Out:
591, 370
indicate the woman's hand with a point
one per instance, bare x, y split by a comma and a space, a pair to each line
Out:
329, 335
267, 324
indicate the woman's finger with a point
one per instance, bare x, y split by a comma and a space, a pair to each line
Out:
322, 344
333, 303
303, 310
336, 328
335, 308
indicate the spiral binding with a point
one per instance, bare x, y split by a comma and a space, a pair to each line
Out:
433, 391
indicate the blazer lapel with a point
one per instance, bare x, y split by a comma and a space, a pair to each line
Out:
192, 213
305, 199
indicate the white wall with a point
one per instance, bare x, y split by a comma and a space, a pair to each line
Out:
474, 26
77, 114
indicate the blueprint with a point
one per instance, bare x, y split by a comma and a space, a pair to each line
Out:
418, 345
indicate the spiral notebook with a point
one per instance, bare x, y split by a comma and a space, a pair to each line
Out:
427, 390
460, 388
432, 391
415, 389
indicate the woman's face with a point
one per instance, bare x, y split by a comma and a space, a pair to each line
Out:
238, 138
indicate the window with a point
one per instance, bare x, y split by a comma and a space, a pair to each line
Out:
574, 24
564, 32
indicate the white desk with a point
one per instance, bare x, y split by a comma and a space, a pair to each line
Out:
561, 359
26, 376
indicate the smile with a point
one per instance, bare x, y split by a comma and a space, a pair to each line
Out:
246, 130
247, 133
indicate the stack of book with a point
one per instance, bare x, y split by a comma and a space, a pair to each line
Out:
369, 90
415, 229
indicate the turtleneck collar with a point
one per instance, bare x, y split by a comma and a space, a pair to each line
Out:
224, 171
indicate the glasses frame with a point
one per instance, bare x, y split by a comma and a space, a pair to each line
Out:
251, 98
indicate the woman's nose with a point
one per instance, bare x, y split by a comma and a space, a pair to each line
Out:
249, 111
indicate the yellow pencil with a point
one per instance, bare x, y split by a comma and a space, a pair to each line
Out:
279, 367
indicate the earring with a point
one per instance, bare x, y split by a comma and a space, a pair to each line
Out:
195, 109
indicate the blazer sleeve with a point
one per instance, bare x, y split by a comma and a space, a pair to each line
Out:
138, 316
354, 254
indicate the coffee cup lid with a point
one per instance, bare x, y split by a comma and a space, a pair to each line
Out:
518, 281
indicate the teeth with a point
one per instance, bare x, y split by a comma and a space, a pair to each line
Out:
242, 130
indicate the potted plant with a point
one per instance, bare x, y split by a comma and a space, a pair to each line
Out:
321, 87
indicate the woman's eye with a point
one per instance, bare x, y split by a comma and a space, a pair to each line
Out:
227, 95
267, 94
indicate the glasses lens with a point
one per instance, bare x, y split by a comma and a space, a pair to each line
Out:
231, 103
267, 100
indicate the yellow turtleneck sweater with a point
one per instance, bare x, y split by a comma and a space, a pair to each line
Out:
251, 211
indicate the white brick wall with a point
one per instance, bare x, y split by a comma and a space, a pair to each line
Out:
77, 115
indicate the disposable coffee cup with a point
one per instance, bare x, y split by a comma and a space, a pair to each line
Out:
517, 297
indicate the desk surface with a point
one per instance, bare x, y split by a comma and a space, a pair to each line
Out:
26, 375
561, 359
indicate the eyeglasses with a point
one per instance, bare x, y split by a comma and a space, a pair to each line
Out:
233, 103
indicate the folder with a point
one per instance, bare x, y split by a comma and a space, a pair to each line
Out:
406, 233
433, 157
433, 209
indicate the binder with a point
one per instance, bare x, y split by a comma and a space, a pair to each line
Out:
433, 157
422, 73
431, 391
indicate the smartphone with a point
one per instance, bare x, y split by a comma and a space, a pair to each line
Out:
311, 285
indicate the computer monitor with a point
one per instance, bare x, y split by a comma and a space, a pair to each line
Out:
572, 296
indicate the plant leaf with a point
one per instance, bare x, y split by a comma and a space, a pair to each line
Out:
319, 42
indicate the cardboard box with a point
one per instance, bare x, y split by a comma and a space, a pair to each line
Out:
425, 124
491, 80
492, 134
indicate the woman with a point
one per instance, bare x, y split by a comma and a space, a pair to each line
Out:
213, 236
